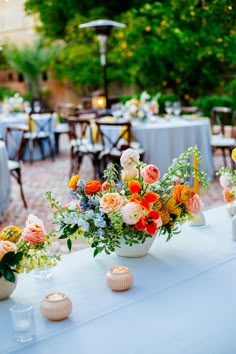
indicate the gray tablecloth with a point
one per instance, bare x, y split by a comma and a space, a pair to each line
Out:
5, 181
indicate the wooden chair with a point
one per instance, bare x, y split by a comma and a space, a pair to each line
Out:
81, 144
222, 131
41, 129
190, 110
115, 137
15, 143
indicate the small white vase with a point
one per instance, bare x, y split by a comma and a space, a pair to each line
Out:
136, 250
6, 288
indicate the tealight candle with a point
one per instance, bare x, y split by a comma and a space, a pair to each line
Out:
119, 278
56, 306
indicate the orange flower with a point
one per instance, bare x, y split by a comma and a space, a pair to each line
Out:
93, 187
182, 193
141, 224
73, 182
134, 186
11, 233
153, 214
152, 228
228, 196
151, 197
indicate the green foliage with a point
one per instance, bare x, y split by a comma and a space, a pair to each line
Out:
6, 92
168, 46
208, 102
163, 99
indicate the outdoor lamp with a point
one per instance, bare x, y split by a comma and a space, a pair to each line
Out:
103, 29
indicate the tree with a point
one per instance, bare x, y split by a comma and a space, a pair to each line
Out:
30, 61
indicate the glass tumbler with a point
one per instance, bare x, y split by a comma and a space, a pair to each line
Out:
22, 316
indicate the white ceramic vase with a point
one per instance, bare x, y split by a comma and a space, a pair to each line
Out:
6, 288
135, 251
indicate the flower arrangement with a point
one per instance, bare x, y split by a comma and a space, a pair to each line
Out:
25, 250
136, 208
228, 181
141, 108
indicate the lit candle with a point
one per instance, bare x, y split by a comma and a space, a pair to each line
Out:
195, 180
56, 306
119, 278
55, 297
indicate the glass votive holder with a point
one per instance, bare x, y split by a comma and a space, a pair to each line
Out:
22, 316
119, 278
56, 306
43, 273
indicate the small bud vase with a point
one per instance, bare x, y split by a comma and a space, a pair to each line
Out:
136, 250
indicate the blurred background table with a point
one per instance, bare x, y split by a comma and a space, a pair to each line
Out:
5, 180
165, 139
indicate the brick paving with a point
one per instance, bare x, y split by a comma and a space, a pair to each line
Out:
42, 176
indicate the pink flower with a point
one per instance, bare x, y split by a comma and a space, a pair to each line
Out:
5, 247
129, 159
193, 205
228, 196
150, 174
128, 175
111, 202
131, 213
34, 231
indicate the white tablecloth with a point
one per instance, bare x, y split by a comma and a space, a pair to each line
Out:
5, 180
165, 140
182, 300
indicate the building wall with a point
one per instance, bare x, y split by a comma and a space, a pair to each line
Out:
18, 28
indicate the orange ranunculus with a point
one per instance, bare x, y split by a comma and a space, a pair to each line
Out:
141, 224
11, 233
228, 196
182, 193
151, 197
134, 186
93, 187
152, 228
73, 182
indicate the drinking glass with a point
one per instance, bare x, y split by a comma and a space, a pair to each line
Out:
22, 316
168, 107
176, 108
37, 106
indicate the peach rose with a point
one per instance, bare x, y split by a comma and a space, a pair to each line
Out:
73, 182
131, 213
93, 187
182, 193
150, 174
228, 195
111, 202
34, 231
193, 205
5, 247
129, 159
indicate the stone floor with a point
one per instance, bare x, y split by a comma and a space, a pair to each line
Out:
42, 176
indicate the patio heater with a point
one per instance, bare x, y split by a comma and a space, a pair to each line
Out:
103, 29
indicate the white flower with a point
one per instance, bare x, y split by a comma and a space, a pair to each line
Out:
129, 159
131, 213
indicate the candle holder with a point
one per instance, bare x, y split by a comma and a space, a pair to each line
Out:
119, 278
56, 306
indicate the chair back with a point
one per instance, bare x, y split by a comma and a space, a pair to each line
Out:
78, 128
89, 114
15, 142
114, 135
42, 123
220, 117
190, 109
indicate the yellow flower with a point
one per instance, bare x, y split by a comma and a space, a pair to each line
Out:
172, 207
233, 154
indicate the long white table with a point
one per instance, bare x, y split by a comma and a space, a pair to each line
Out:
163, 140
5, 180
182, 300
